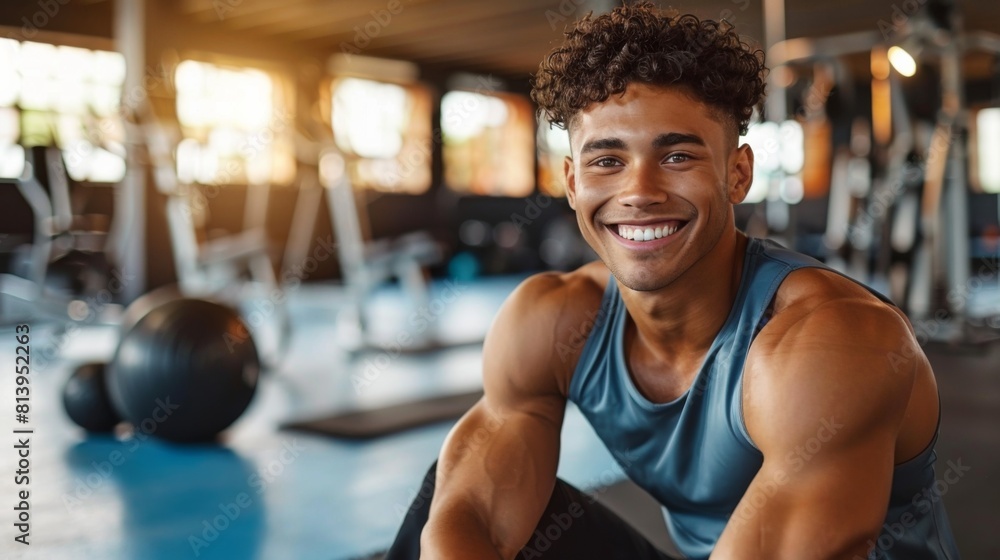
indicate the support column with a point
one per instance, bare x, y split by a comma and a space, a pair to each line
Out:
130, 197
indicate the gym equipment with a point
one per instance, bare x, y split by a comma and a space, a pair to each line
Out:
185, 371
907, 227
57, 272
233, 269
78, 273
50, 250
146, 303
373, 423
365, 264
86, 399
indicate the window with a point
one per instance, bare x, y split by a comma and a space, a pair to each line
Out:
488, 143
384, 131
778, 151
553, 148
235, 125
62, 96
986, 152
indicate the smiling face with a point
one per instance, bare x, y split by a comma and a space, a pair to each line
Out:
653, 177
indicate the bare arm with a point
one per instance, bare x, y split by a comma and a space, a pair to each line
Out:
824, 403
498, 465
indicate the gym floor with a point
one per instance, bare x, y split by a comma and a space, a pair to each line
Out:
264, 492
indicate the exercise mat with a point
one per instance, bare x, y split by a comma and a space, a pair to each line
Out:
377, 422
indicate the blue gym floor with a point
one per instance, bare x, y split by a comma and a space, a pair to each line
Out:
263, 492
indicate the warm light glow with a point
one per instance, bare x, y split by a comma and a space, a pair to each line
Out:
779, 153
383, 130
882, 111
87, 162
210, 96
553, 148
10, 126
880, 66
108, 68
104, 99
792, 146
488, 143
41, 92
369, 117
10, 78
36, 59
63, 96
465, 114
763, 138
73, 64
233, 133
11, 161
881, 96
988, 149
187, 155
902, 61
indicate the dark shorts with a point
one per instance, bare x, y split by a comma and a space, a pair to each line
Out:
574, 526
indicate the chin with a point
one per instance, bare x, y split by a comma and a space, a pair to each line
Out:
643, 280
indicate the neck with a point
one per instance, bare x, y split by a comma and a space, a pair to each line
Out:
682, 320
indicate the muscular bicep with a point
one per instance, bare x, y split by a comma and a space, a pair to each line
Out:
499, 462
819, 499
499, 466
824, 407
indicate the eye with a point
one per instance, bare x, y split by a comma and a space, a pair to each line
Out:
677, 158
605, 162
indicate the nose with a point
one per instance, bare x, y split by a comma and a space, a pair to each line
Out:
642, 188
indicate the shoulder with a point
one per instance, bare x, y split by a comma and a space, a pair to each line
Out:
821, 316
546, 314
818, 302
828, 350
555, 297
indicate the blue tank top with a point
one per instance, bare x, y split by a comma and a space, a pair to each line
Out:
694, 454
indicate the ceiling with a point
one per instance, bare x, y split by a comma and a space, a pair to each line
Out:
511, 36
505, 37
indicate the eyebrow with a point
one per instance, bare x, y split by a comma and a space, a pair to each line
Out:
674, 138
603, 144
661, 141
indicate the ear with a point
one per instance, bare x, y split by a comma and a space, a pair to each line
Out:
570, 181
740, 174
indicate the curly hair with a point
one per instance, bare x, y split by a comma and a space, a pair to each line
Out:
602, 55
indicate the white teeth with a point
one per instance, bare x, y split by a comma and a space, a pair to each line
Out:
646, 234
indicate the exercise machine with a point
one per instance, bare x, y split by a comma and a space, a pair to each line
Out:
365, 264
235, 269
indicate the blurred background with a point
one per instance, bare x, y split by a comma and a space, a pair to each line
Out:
357, 185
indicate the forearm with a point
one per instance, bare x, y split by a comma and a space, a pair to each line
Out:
456, 532
490, 494
814, 515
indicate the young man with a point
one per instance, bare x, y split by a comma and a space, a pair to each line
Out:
774, 408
